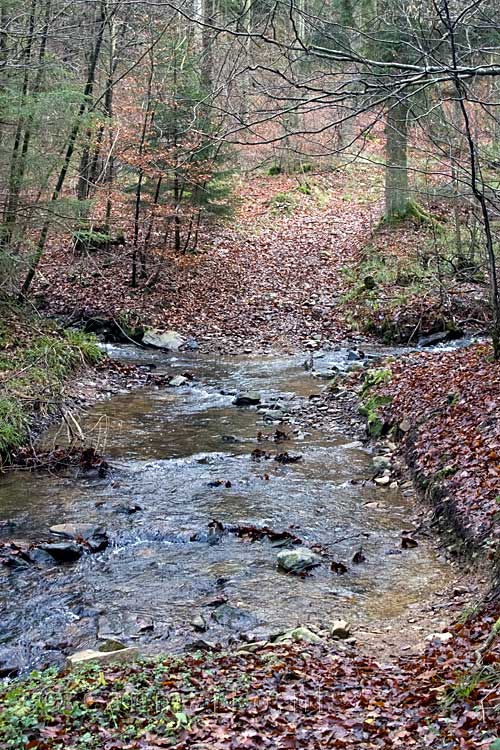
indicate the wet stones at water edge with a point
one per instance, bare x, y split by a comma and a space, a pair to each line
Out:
119, 656
63, 551
178, 381
234, 617
169, 340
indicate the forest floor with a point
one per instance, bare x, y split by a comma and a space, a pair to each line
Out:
290, 265
268, 281
291, 272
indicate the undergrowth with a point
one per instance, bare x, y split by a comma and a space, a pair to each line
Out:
405, 284
36, 357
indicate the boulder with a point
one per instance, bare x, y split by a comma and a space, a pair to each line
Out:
298, 560
247, 398
63, 551
178, 381
120, 656
169, 340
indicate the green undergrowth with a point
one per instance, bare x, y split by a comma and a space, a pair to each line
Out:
94, 702
413, 211
373, 402
405, 283
36, 357
286, 203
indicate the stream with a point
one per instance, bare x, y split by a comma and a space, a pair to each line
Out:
173, 451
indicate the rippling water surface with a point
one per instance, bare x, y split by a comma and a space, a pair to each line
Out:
167, 447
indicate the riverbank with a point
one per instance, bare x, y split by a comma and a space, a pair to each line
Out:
277, 696
37, 361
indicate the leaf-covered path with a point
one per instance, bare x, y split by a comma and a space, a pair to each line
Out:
271, 279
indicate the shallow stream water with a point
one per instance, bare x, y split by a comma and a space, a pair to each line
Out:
168, 448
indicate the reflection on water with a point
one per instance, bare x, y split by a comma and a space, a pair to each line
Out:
167, 447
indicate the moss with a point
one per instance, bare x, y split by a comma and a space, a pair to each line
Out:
412, 211
283, 203
372, 403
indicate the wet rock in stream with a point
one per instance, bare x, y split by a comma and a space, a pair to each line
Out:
178, 381
247, 398
233, 617
93, 538
63, 551
298, 560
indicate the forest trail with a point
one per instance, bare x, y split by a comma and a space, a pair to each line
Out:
269, 280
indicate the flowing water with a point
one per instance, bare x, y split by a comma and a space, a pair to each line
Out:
169, 448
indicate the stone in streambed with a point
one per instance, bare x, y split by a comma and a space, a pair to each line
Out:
381, 464
129, 508
40, 557
73, 530
340, 629
199, 624
95, 537
297, 560
247, 398
383, 481
64, 551
301, 633
233, 617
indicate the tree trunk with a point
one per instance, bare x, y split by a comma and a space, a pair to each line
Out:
15, 176
70, 148
397, 195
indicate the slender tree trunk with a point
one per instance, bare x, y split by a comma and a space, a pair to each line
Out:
397, 194
108, 106
477, 184
140, 180
70, 148
85, 172
15, 178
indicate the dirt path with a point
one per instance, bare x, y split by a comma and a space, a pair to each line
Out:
270, 280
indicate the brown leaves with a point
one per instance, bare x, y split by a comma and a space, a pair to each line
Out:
456, 440
222, 296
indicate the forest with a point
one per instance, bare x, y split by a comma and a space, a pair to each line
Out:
249, 374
